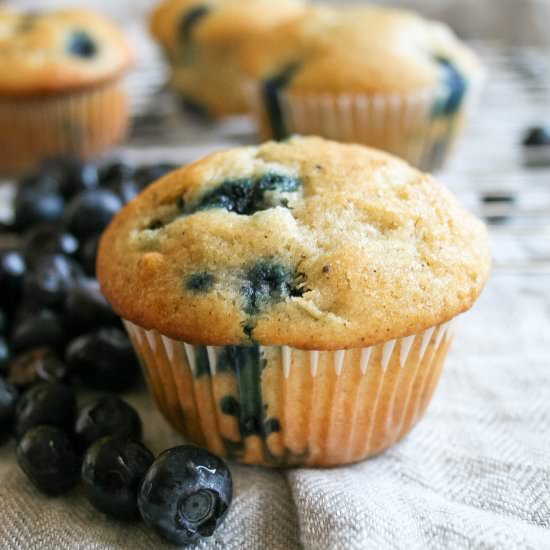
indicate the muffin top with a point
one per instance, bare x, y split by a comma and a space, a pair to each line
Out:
217, 22
363, 49
308, 243
58, 51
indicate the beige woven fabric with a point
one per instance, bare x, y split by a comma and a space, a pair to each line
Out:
475, 473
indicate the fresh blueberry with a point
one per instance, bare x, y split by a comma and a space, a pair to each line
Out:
90, 212
12, 273
126, 189
112, 471
5, 355
3, 322
47, 403
48, 282
73, 175
87, 309
37, 365
107, 415
48, 459
104, 360
36, 185
147, 174
8, 401
42, 328
88, 254
537, 136
47, 239
115, 171
185, 494
81, 44
36, 209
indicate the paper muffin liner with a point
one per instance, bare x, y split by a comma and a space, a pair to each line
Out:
402, 124
282, 406
82, 124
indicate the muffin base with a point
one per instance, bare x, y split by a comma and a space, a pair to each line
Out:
403, 125
83, 124
281, 406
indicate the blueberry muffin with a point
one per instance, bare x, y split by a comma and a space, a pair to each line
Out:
291, 303
60, 85
200, 39
378, 76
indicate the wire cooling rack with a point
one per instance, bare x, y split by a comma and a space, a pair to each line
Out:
488, 171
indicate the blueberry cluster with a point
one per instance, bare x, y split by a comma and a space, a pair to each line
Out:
58, 333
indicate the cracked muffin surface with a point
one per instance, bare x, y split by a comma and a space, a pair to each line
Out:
307, 243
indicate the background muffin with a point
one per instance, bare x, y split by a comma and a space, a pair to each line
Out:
200, 40
289, 302
60, 89
379, 76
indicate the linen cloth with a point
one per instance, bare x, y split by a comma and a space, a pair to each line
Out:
475, 473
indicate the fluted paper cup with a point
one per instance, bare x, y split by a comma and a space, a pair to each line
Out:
282, 406
82, 124
401, 124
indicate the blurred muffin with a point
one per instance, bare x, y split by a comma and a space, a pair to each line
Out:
60, 86
200, 40
378, 76
291, 302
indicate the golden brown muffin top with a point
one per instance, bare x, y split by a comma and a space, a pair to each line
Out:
307, 243
216, 22
367, 49
54, 52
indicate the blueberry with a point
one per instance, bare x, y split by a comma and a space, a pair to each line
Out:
185, 494
81, 44
73, 175
8, 401
112, 471
36, 209
36, 185
48, 282
246, 196
5, 355
126, 189
537, 136
107, 415
48, 459
190, 20
86, 308
104, 360
200, 282
267, 282
47, 239
37, 365
455, 87
90, 212
88, 254
3, 322
116, 171
271, 89
43, 328
147, 174
47, 403
12, 272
